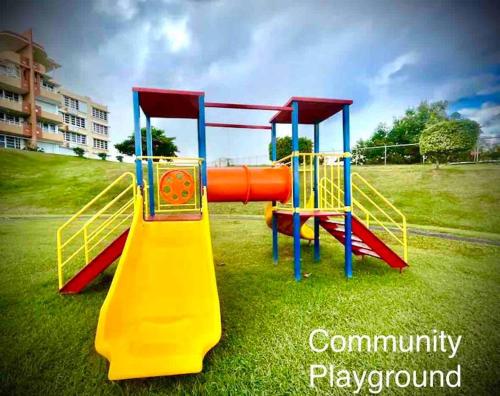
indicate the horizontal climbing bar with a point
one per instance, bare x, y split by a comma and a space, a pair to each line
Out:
246, 106
240, 126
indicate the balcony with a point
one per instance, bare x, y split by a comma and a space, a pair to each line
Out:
73, 128
13, 57
53, 96
14, 84
54, 137
48, 116
19, 129
12, 105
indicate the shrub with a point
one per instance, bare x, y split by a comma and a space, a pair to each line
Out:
446, 138
79, 151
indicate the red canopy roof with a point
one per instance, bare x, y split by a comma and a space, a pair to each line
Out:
167, 103
311, 110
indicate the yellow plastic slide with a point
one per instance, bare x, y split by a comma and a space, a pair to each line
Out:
161, 315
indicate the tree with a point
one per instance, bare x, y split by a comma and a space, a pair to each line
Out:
284, 146
102, 156
79, 151
443, 139
405, 130
119, 158
162, 145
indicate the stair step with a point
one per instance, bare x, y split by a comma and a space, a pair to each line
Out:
341, 233
368, 252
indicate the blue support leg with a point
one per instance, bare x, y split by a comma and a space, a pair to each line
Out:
275, 218
316, 194
149, 151
275, 239
296, 191
347, 193
137, 138
202, 141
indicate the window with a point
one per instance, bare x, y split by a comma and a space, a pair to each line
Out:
12, 96
101, 114
71, 119
11, 142
11, 119
48, 85
47, 106
71, 102
75, 137
10, 70
100, 144
48, 127
101, 129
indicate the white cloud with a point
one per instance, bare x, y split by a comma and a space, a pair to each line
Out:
125, 9
387, 74
457, 88
488, 116
176, 33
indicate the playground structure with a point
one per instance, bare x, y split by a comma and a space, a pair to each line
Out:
161, 315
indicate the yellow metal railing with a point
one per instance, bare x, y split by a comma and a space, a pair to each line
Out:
368, 204
328, 165
106, 216
394, 224
162, 165
386, 212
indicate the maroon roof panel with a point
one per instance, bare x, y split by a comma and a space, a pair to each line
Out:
311, 110
167, 103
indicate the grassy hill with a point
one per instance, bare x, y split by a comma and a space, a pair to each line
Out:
462, 197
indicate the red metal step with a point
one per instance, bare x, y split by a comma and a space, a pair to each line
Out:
102, 261
373, 245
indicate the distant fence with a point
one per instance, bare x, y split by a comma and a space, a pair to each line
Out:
487, 149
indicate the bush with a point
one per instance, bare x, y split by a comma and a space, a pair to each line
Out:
31, 147
446, 138
102, 156
79, 151
119, 158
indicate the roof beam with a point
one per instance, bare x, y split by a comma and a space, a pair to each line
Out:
239, 126
247, 106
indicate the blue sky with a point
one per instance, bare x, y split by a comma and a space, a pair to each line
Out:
386, 56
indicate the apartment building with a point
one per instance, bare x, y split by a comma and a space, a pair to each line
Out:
85, 123
36, 111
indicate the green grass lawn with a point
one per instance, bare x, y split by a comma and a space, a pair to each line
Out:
458, 196
46, 339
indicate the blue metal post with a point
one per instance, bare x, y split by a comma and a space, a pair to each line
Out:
275, 218
137, 138
202, 141
316, 193
296, 190
347, 193
149, 152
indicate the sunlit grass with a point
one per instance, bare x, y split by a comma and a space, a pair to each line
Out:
47, 339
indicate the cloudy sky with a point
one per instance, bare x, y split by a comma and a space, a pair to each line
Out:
386, 56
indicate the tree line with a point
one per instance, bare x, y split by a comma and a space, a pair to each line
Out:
434, 134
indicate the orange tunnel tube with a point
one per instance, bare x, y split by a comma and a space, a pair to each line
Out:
244, 184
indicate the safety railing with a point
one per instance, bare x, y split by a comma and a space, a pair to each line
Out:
314, 167
377, 208
175, 184
81, 238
